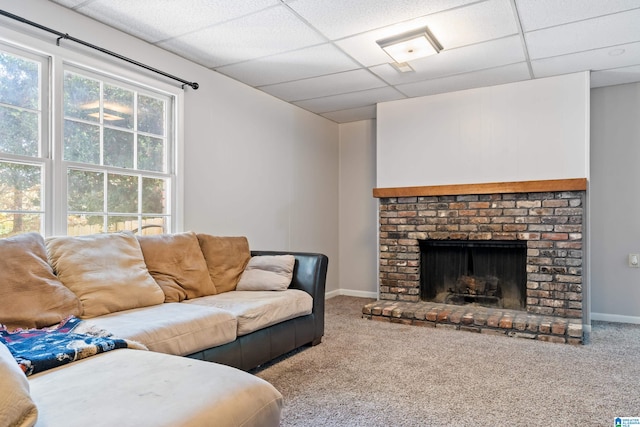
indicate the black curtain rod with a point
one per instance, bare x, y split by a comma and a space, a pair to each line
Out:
65, 36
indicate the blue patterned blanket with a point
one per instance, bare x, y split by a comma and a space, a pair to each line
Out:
37, 350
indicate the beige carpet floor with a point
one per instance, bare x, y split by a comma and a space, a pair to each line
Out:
370, 373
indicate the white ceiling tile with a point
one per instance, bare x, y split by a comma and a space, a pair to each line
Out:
508, 74
341, 18
352, 115
465, 59
535, 14
473, 24
599, 59
155, 20
594, 33
68, 3
300, 64
333, 84
350, 100
616, 76
268, 32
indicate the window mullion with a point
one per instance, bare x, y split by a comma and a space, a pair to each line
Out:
105, 208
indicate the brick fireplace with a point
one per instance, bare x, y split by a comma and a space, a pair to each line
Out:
546, 215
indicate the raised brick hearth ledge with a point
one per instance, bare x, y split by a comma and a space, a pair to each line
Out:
512, 323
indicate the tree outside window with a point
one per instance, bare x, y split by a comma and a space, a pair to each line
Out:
21, 168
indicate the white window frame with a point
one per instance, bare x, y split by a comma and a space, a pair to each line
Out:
54, 176
43, 158
169, 154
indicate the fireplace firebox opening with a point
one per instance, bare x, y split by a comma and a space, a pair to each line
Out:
486, 273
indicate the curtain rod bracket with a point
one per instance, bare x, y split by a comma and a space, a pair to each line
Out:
66, 36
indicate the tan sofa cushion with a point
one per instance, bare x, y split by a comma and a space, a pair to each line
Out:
16, 406
106, 271
144, 388
176, 263
173, 328
259, 309
267, 273
30, 294
226, 259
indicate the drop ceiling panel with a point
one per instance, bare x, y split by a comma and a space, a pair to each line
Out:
69, 3
304, 63
268, 32
616, 76
599, 59
535, 14
341, 18
484, 55
155, 20
501, 75
594, 33
352, 115
350, 100
473, 24
332, 84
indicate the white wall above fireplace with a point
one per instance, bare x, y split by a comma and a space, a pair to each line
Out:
526, 131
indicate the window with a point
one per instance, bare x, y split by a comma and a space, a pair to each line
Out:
111, 165
116, 156
22, 150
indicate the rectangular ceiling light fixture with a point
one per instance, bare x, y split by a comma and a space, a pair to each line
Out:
411, 45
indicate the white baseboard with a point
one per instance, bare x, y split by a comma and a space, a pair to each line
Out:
351, 293
332, 294
615, 318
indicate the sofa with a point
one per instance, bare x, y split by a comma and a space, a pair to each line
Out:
171, 304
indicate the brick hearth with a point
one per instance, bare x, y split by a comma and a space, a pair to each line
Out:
512, 323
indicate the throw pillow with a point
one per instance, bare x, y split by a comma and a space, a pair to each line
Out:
226, 259
30, 294
267, 273
106, 271
16, 406
176, 263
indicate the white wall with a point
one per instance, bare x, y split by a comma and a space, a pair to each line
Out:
358, 210
532, 130
253, 165
615, 202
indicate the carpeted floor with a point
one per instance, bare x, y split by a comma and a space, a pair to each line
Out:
369, 373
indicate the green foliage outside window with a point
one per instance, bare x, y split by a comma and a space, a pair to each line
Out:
20, 183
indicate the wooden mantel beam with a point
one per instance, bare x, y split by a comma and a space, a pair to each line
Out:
576, 184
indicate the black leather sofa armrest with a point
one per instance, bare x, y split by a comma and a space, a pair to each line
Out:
309, 275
